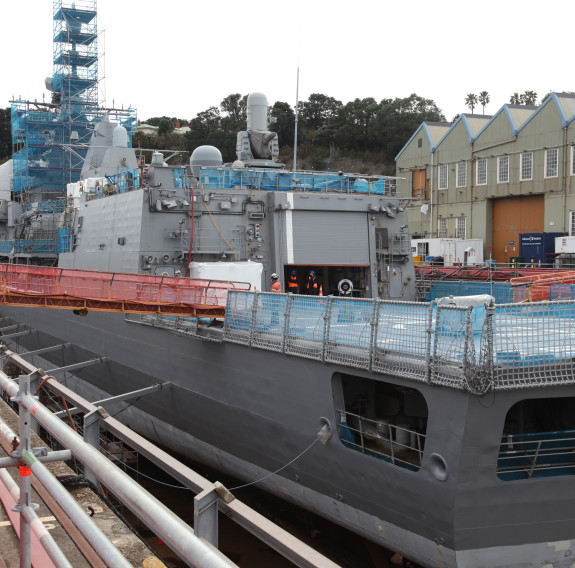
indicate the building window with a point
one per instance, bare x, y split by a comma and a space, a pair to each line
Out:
442, 228
551, 163
460, 228
527, 166
481, 171
419, 142
503, 169
461, 174
571, 223
443, 177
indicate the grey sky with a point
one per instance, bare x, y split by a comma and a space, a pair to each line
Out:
177, 58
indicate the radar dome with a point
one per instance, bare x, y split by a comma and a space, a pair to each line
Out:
120, 137
257, 111
157, 159
205, 156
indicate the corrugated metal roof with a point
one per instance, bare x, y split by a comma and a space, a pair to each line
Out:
437, 131
520, 114
476, 123
567, 102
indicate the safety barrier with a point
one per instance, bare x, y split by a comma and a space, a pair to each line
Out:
107, 291
502, 346
296, 181
537, 287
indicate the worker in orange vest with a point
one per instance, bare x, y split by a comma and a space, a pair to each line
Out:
292, 283
312, 286
276, 286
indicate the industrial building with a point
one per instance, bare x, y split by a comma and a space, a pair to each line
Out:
493, 178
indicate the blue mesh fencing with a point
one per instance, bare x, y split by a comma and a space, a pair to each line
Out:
226, 178
499, 347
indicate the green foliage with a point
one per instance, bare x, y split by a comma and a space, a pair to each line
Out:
471, 101
325, 126
5, 135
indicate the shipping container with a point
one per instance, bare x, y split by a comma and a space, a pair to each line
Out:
449, 252
538, 249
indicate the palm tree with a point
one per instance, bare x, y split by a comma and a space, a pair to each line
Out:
484, 99
516, 99
530, 97
471, 101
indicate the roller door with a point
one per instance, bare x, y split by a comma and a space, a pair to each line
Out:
511, 217
336, 238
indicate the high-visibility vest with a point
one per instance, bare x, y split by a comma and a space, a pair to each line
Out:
292, 281
276, 287
312, 283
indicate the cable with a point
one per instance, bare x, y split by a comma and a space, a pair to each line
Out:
156, 480
284, 466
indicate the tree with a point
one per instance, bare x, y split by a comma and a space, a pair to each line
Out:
530, 98
398, 119
285, 123
318, 110
235, 106
516, 99
471, 101
484, 99
5, 134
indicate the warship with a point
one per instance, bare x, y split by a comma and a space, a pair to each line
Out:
441, 430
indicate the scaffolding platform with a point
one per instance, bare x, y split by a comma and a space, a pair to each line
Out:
85, 290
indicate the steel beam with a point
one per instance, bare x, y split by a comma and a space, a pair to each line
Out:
275, 537
119, 398
16, 334
76, 366
172, 530
46, 349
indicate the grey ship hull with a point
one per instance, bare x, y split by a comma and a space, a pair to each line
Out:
249, 412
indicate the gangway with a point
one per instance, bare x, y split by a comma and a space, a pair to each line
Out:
84, 290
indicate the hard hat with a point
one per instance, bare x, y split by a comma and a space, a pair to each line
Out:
312, 271
293, 271
274, 276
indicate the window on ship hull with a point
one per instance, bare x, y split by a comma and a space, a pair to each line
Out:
538, 439
381, 419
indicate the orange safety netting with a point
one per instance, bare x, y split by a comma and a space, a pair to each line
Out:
109, 291
536, 288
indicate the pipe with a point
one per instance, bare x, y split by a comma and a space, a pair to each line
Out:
171, 529
107, 551
38, 529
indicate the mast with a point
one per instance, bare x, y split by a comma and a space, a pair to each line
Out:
296, 115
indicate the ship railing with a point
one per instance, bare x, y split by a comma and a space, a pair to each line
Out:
60, 284
126, 180
530, 345
502, 346
424, 342
378, 438
541, 454
284, 180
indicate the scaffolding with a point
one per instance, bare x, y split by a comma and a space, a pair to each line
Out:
50, 139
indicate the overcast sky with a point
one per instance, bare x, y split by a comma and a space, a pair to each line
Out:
178, 57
